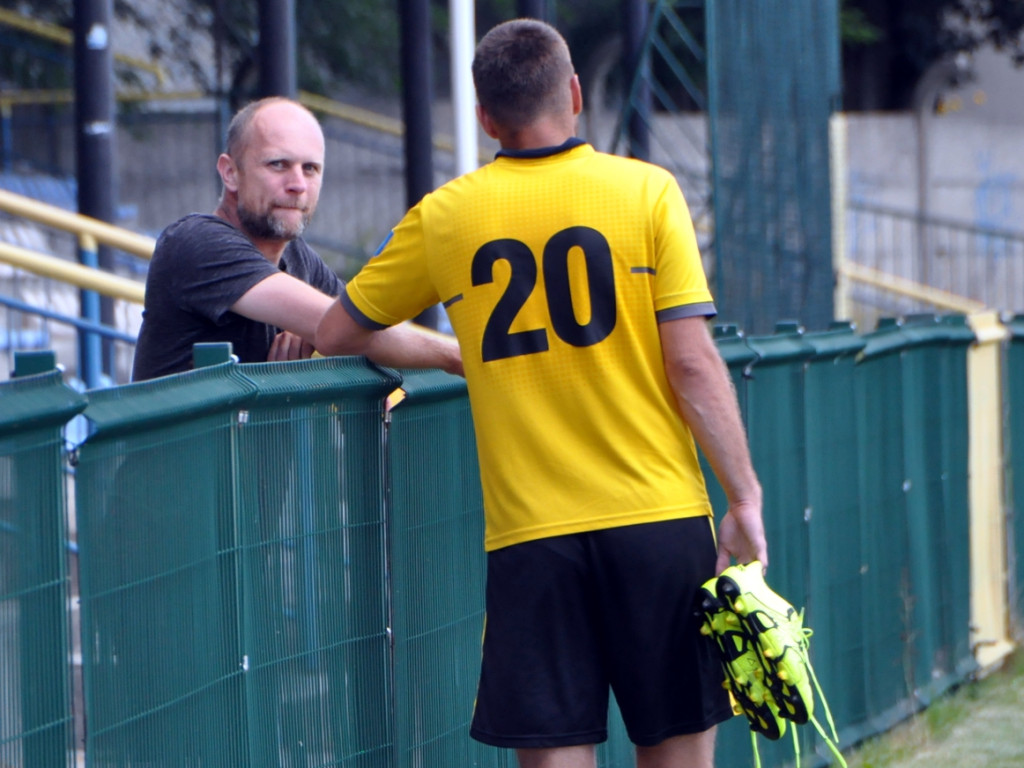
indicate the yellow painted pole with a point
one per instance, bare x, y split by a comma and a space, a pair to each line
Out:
990, 625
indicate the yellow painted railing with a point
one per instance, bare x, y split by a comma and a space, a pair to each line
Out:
90, 233
908, 288
66, 271
58, 218
64, 36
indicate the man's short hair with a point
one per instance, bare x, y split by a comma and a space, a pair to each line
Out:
238, 128
521, 71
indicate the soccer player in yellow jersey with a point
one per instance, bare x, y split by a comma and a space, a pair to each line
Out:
574, 286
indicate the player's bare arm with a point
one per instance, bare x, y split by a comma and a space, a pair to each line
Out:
299, 308
707, 402
401, 346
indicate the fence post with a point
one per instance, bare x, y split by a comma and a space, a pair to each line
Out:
989, 607
90, 344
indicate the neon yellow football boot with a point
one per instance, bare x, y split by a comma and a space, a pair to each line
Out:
744, 671
777, 631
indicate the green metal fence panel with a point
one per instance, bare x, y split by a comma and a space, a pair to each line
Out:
936, 461
772, 85
35, 687
310, 552
835, 600
884, 536
776, 430
1013, 389
159, 586
438, 570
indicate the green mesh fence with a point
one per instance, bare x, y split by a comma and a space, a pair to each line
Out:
159, 569
235, 592
884, 538
438, 570
772, 84
313, 574
836, 599
935, 421
1013, 382
915, 527
271, 577
777, 433
35, 688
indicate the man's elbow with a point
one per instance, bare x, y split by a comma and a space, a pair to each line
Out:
338, 334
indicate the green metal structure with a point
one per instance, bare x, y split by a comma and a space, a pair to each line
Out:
757, 83
283, 564
35, 684
773, 82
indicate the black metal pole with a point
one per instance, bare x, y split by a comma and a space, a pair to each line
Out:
94, 157
532, 9
634, 27
278, 74
417, 91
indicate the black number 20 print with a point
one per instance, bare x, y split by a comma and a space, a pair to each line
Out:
499, 340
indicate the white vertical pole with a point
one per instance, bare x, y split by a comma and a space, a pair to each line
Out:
839, 166
463, 43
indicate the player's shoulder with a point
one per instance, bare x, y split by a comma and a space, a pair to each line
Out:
632, 166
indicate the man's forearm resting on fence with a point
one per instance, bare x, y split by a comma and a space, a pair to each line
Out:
400, 346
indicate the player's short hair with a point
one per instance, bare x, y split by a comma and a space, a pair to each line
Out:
521, 71
238, 128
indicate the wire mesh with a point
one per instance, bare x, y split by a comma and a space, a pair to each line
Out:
35, 682
773, 82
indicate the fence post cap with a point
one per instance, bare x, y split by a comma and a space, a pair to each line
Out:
32, 362
206, 353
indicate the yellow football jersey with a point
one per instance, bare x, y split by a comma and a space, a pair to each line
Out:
555, 267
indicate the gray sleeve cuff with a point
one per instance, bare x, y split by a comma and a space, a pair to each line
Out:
704, 309
358, 315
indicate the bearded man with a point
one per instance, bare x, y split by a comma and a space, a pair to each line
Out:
244, 274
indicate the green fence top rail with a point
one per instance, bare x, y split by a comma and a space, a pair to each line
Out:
937, 329
320, 379
733, 347
840, 340
786, 345
893, 336
167, 400
37, 401
424, 386
1015, 325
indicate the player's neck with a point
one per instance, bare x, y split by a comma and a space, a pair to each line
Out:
549, 132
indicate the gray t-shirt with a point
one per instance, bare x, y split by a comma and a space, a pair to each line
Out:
201, 266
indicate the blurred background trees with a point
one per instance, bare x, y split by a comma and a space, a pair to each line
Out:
343, 45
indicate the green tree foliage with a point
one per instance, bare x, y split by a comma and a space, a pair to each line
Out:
887, 44
891, 43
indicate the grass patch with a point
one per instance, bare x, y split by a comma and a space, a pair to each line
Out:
979, 724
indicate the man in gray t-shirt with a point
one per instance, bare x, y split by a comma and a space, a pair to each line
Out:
244, 274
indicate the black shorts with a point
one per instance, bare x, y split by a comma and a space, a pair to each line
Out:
570, 616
